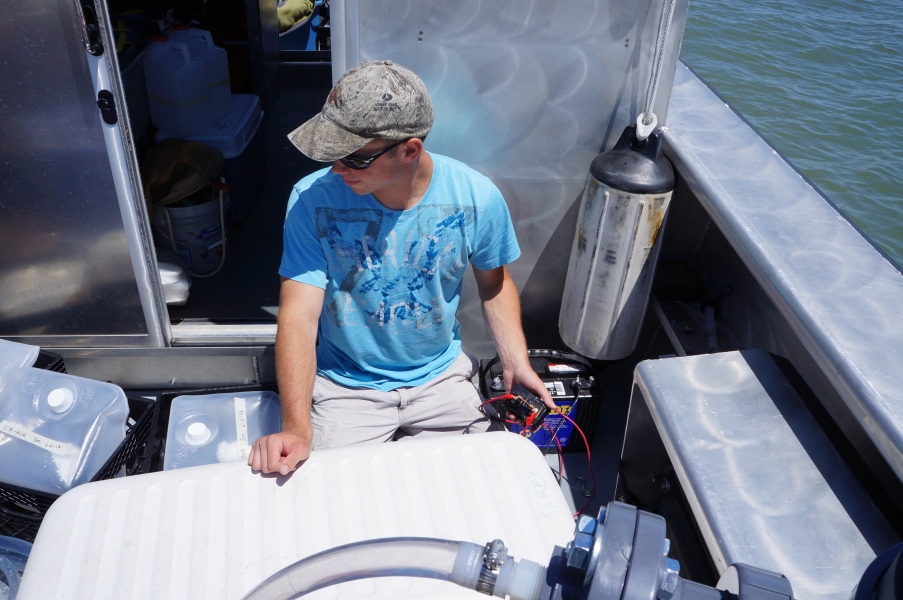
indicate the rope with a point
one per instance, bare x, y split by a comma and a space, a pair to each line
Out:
657, 71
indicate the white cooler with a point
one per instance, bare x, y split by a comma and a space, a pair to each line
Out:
219, 530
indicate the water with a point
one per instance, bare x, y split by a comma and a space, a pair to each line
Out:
822, 81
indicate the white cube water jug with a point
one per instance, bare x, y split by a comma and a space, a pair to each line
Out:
216, 63
217, 428
177, 89
178, 85
56, 430
13, 354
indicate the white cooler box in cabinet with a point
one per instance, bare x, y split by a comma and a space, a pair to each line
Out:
240, 136
217, 531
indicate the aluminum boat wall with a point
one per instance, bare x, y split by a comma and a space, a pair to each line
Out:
527, 93
821, 294
75, 266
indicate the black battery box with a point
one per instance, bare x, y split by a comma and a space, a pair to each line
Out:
569, 378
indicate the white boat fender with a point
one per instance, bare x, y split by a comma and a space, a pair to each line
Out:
613, 257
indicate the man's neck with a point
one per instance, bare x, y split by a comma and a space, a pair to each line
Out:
409, 190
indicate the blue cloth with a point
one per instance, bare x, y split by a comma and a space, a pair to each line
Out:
392, 279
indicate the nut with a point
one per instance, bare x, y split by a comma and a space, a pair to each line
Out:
579, 550
586, 524
670, 581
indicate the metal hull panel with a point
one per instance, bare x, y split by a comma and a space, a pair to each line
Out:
527, 94
838, 294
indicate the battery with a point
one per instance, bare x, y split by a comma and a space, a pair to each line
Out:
569, 378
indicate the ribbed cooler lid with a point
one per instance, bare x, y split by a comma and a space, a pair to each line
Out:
219, 530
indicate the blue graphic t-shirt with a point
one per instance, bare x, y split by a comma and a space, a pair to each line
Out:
392, 279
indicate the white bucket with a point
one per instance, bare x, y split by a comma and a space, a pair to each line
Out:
197, 233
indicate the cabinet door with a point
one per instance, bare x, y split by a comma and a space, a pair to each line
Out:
76, 260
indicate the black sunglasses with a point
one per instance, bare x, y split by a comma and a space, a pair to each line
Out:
359, 163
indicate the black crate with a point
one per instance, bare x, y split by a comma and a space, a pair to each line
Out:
22, 510
49, 361
156, 446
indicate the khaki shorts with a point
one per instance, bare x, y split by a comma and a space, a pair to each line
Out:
446, 405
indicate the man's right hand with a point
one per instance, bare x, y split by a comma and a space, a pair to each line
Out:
279, 452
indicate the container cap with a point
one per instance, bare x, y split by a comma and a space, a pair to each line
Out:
197, 434
181, 26
60, 400
159, 37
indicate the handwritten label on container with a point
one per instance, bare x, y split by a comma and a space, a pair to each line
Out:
26, 435
241, 427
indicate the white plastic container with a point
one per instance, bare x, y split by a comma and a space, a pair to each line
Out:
176, 282
177, 88
56, 430
230, 133
216, 428
216, 62
13, 354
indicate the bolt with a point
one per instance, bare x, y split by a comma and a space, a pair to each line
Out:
688, 330
670, 581
494, 554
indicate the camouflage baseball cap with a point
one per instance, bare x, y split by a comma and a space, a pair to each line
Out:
376, 99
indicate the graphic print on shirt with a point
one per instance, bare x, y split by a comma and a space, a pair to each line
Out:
391, 275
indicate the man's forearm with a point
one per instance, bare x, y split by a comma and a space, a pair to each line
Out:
501, 309
296, 367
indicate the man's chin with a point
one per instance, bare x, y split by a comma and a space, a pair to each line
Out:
356, 187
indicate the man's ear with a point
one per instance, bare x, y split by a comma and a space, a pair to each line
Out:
412, 149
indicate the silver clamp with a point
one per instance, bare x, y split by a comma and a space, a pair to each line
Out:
494, 556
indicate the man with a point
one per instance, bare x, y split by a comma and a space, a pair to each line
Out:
376, 248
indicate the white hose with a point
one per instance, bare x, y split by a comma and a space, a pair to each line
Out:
457, 562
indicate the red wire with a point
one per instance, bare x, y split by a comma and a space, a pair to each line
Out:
589, 458
496, 399
589, 454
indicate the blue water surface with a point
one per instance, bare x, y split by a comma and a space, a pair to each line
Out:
822, 80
